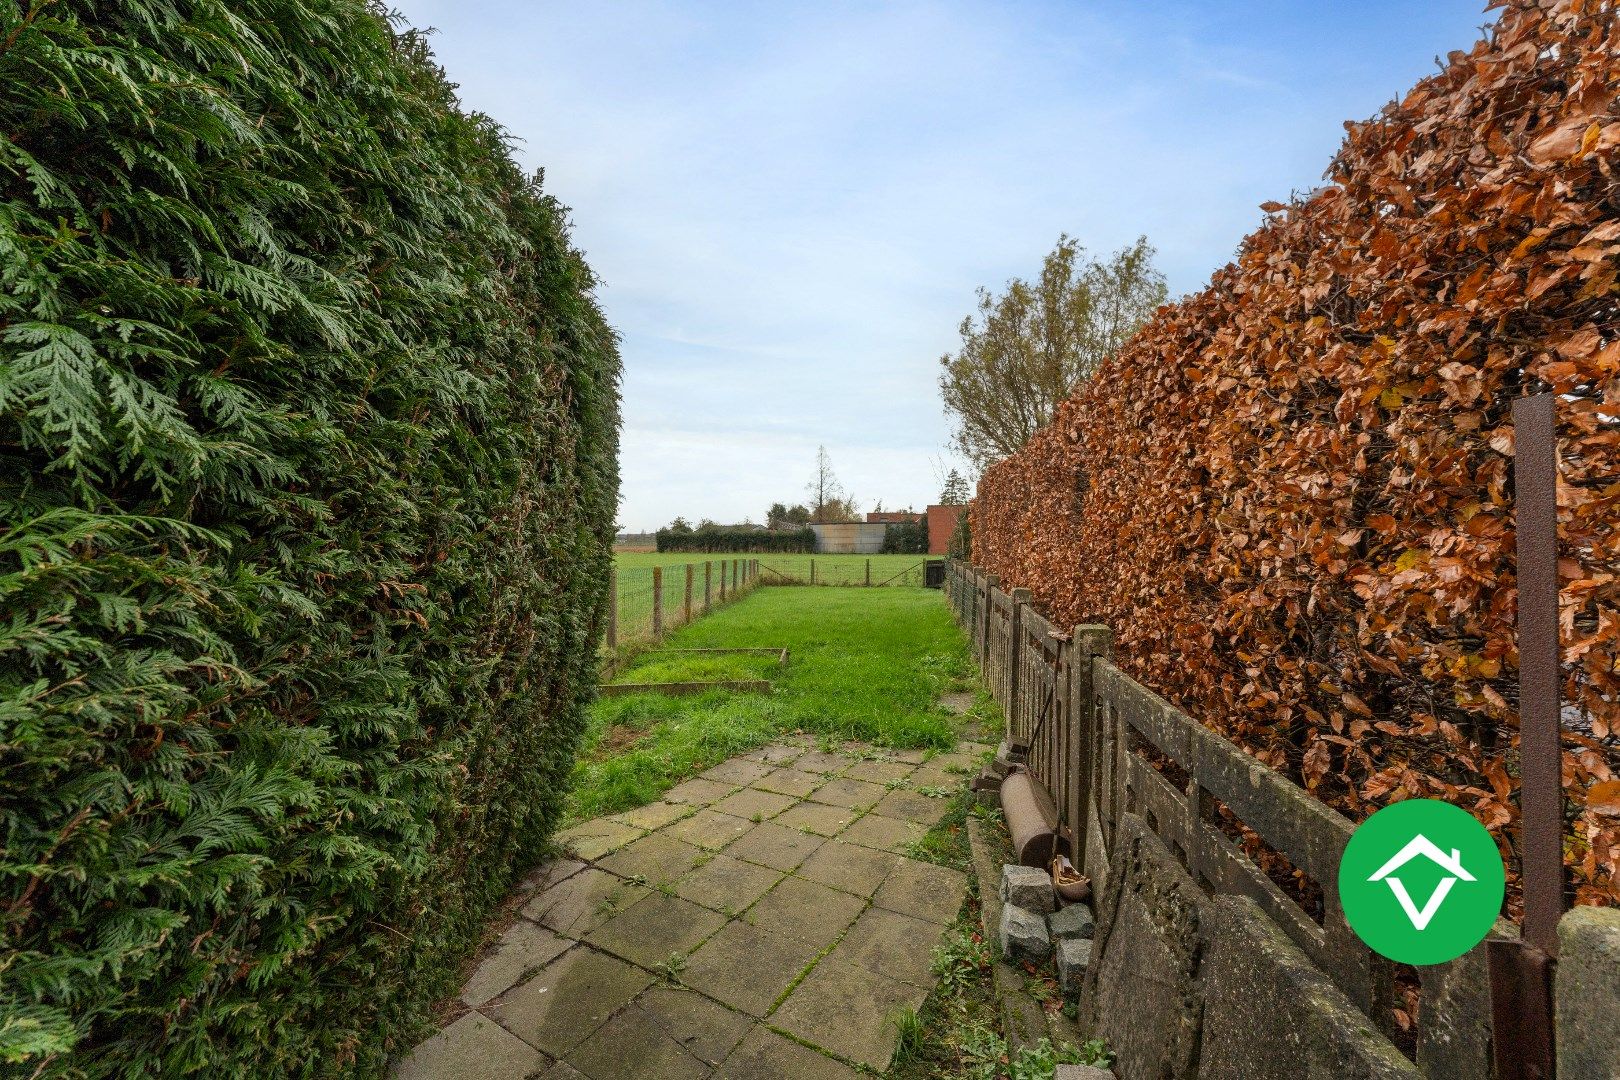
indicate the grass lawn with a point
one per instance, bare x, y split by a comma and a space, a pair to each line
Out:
867, 664
830, 569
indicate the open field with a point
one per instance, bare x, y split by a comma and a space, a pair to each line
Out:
830, 569
866, 665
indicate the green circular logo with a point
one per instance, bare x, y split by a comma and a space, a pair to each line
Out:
1421, 882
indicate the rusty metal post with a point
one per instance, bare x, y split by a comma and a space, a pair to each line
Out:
1522, 971
687, 608
613, 610
658, 603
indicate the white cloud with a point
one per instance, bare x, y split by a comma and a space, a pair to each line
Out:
792, 204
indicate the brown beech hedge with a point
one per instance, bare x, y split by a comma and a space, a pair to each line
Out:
1290, 494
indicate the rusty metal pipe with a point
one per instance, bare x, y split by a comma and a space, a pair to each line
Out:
1031, 819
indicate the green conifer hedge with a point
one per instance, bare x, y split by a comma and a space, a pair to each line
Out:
308, 438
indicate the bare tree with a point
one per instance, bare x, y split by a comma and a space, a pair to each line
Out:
828, 499
1026, 349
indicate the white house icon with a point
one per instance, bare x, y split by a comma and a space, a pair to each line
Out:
1452, 864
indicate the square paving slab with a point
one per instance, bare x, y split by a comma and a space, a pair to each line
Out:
790, 782
879, 772
737, 771
911, 806
707, 1031
848, 1010
583, 902
699, 792
886, 834
635, 1044
768, 1056
746, 967
821, 762
752, 803
850, 867
805, 911
923, 890
776, 754
656, 928
708, 829
765, 1055
891, 944
727, 884
819, 818
775, 846
521, 951
569, 999
474, 1045
653, 815
596, 838
846, 792
657, 857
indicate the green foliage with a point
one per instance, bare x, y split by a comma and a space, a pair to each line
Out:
712, 538
988, 1057
308, 428
906, 538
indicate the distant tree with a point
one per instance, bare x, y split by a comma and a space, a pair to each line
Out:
707, 525
1027, 349
780, 516
828, 499
680, 525
956, 491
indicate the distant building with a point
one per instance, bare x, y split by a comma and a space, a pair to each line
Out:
895, 517
941, 524
849, 537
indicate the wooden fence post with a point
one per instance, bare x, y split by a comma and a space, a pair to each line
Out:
1015, 653
990, 583
708, 585
868, 573
1089, 642
688, 607
658, 602
613, 610
812, 571
722, 581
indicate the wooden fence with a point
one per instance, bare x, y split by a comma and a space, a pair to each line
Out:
1103, 745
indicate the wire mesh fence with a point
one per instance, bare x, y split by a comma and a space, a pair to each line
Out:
646, 602
843, 570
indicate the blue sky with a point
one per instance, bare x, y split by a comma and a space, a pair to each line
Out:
791, 204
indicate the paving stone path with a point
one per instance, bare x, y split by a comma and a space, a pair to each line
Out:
761, 921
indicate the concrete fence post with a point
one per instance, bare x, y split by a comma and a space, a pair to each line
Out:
613, 610
658, 603
687, 608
